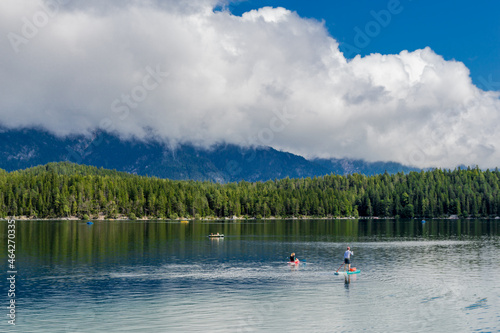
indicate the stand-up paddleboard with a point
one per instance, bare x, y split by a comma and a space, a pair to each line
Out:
348, 273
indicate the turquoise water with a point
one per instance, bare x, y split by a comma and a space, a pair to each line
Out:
133, 276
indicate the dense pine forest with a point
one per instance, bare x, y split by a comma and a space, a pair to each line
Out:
59, 190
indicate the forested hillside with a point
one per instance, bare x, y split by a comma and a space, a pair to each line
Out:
65, 189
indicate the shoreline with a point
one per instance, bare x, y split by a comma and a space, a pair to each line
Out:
234, 218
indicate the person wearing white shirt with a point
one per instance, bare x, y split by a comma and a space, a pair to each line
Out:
347, 258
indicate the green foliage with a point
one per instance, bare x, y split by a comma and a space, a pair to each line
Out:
408, 211
65, 189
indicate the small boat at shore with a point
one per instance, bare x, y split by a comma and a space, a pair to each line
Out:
217, 235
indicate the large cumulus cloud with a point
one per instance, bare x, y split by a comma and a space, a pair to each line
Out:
179, 71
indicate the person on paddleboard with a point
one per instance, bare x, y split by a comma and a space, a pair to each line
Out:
347, 258
292, 257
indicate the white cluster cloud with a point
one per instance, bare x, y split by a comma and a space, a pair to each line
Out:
179, 71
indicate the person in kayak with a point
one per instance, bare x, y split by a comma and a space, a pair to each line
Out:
292, 257
347, 258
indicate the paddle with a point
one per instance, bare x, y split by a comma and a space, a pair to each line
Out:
339, 268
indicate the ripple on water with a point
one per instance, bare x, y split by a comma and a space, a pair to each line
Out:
411, 285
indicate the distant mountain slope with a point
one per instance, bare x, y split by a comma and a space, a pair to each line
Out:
349, 166
21, 149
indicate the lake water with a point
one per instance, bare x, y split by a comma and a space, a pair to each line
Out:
157, 276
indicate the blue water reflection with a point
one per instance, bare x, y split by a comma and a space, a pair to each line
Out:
161, 276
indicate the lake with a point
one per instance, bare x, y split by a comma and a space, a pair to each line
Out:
161, 276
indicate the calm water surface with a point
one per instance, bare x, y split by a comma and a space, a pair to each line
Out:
159, 276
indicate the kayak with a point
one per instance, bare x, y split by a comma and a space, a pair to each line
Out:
348, 273
296, 262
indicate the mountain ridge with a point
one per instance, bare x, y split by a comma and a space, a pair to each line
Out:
24, 148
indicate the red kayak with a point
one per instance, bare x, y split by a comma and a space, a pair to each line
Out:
296, 262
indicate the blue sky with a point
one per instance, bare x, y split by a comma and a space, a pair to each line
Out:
467, 31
